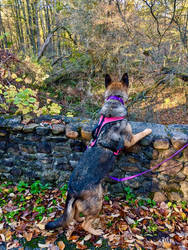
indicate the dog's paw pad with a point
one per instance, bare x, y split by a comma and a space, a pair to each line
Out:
148, 131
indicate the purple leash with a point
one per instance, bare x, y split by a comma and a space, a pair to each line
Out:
149, 170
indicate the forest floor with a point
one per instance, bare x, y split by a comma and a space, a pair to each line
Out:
128, 222
164, 105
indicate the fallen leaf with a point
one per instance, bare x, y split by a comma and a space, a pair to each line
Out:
139, 237
61, 245
28, 236
87, 237
1, 225
122, 226
41, 226
129, 220
167, 244
44, 245
3, 237
74, 238
8, 235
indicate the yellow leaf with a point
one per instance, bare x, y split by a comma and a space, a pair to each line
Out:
14, 76
28, 80
28, 236
183, 215
167, 100
61, 245
167, 244
28, 197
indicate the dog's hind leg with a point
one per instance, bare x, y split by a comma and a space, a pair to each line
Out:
79, 209
87, 226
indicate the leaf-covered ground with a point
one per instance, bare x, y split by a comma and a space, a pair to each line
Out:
127, 222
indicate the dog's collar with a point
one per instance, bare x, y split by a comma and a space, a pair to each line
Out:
115, 97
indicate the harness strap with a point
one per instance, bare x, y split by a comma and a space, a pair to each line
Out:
103, 121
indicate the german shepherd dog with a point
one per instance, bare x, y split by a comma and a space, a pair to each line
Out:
85, 193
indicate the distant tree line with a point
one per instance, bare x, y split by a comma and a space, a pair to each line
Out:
89, 37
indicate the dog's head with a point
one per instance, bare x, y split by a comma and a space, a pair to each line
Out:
117, 88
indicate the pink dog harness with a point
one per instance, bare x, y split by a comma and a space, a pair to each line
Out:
102, 122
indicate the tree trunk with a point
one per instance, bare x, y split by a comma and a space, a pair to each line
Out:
4, 43
31, 33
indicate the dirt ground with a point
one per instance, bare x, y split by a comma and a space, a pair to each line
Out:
165, 105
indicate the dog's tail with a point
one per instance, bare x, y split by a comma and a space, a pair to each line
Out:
67, 216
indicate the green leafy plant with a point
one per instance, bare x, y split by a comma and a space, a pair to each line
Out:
130, 197
106, 198
22, 186
41, 210
152, 228
184, 204
63, 190
109, 224
38, 187
151, 202
10, 215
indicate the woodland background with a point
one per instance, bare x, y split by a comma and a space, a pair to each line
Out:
55, 53
53, 57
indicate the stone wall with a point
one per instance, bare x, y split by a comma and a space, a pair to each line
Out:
49, 148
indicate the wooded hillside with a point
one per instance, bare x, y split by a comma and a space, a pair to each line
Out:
80, 40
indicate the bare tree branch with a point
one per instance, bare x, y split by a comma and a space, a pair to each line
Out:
122, 16
153, 15
47, 41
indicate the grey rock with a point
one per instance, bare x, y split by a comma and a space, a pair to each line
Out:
179, 140
57, 139
184, 189
2, 145
174, 196
159, 197
44, 118
28, 147
30, 127
44, 147
58, 129
16, 171
3, 132
158, 130
161, 144
42, 130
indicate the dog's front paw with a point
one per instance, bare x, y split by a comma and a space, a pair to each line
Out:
148, 131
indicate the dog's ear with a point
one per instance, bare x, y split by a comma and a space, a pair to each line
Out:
108, 80
125, 79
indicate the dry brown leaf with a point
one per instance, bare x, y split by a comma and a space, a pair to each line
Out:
167, 244
8, 235
28, 236
178, 238
80, 245
1, 225
74, 238
87, 237
2, 237
47, 245
139, 237
122, 226
61, 245
12, 245
41, 226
